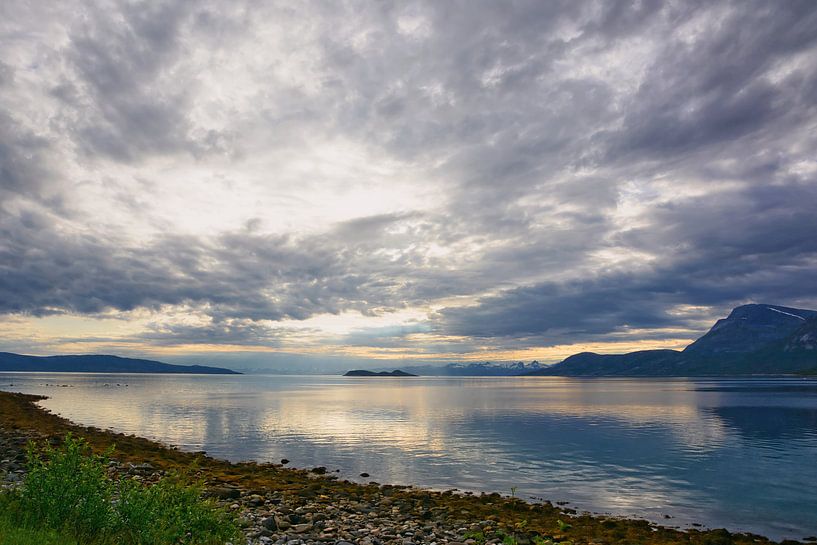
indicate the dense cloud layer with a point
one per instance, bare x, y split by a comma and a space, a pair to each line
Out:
552, 173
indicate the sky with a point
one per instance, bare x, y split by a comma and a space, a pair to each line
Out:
305, 185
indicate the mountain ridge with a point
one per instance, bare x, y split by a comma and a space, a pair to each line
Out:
470, 369
99, 363
752, 339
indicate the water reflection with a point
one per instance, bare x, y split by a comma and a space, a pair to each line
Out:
728, 453
770, 426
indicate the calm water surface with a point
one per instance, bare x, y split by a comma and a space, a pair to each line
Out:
740, 454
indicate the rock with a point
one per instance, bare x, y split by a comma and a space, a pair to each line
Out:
255, 500
364, 475
269, 523
223, 493
302, 528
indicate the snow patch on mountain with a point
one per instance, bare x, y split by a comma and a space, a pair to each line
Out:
786, 313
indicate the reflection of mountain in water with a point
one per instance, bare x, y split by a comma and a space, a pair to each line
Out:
626, 446
775, 389
769, 423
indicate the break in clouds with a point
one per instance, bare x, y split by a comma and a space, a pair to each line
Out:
430, 179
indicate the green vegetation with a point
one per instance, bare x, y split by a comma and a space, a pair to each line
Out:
67, 489
539, 540
479, 537
12, 533
67, 497
170, 512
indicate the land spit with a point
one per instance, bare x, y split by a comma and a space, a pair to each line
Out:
278, 504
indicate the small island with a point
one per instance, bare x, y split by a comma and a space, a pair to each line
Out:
364, 373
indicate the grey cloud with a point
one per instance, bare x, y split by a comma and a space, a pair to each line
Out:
6, 74
517, 117
717, 89
383, 337
571, 310
752, 244
123, 89
233, 332
236, 275
25, 161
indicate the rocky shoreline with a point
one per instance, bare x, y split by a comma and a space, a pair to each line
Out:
279, 505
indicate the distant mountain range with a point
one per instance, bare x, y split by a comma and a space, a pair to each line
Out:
364, 373
754, 339
482, 369
99, 364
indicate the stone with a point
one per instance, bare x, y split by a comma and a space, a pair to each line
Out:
255, 500
223, 493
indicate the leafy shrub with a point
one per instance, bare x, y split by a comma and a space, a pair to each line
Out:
170, 511
68, 491
67, 488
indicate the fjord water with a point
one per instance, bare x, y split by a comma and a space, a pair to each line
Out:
740, 454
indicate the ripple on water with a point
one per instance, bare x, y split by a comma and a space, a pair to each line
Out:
736, 454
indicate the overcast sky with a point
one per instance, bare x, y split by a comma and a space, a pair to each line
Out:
291, 183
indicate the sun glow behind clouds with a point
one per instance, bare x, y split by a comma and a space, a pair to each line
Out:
320, 185
421, 182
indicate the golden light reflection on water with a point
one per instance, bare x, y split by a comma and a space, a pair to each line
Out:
401, 415
643, 447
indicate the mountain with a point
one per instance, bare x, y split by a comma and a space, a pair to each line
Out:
364, 373
749, 328
482, 369
753, 339
99, 364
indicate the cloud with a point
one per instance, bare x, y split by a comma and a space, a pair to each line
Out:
730, 81
750, 244
551, 173
231, 332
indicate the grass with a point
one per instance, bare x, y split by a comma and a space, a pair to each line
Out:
478, 536
68, 493
12, 533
